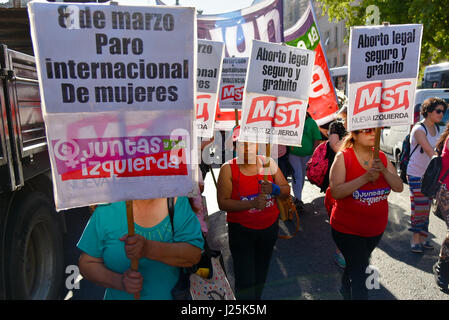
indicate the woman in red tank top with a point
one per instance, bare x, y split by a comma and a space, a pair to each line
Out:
441, 267
360, 185
252, 215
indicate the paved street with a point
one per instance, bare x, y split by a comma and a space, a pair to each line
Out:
303, 267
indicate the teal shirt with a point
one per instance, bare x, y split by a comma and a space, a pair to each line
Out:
108, 224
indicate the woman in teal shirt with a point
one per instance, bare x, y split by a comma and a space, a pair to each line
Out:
105, 262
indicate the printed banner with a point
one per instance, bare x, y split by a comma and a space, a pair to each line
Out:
262, 21
276, 94
116, 156
117, 88
384, 52
383, 70
375, 104
209, 68
323, 99
94, 58
225, 120
233, 82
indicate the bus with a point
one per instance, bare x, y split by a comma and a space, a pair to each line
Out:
436, 76
339, 77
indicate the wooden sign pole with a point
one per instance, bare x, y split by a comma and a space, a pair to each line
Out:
377, 143
130, 218
378, 130
266, 166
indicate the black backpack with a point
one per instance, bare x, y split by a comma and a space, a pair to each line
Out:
405, 155
430, 183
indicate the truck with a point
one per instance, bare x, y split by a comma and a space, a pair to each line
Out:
340, 78
436, 76
31, 231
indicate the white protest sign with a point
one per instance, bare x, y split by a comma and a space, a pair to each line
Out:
95, 58
276, 94
117, 86
383, 67
233, 82
209, 65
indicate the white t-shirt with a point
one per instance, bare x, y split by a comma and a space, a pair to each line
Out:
420, 160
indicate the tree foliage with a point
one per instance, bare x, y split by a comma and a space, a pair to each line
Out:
433, 14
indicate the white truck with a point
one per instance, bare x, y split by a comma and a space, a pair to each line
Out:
31, 231
436, 76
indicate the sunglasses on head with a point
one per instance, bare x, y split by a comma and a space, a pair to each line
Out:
439, 111
365, 131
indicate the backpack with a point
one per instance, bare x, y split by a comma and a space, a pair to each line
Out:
318, 165
430, 182
405, 155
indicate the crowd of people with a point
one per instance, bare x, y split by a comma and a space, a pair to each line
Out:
357, 184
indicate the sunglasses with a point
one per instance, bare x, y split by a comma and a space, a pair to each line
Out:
365, 131
438, 111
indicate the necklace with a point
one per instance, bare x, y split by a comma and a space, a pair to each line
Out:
365, 162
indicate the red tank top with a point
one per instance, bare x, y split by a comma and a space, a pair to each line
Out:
247, 188
445, 164
365, 212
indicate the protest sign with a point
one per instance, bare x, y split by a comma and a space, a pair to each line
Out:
322, 100
226, 120
233, 82
276, 94
236, 29
383, 67
117, 87
209, 68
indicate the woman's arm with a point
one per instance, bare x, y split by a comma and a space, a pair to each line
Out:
224, 192
278, 179
341, 189
94, 270
334, 142
390, 174
178, 254
421, 139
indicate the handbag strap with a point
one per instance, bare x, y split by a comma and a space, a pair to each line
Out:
417, 144
171, 212
444, 176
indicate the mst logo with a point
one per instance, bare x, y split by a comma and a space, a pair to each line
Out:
374, 96
232, 92
281, 115
202, 101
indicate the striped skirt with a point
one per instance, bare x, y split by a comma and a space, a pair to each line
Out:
420, 207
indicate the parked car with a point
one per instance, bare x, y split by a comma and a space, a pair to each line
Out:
391, 137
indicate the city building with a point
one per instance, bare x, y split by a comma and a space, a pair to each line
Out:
332, 33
